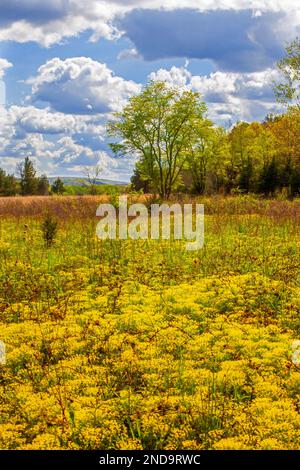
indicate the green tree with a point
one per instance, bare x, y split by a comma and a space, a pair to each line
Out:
207, 157
138, 182
252, 148
286, 134
43, 186
8, 184
239, 142
295, 183
58, 187
159, 126
289, 67
29, 182
246, 175
269, 178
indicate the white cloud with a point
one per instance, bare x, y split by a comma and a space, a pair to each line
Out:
30, 119
42, 121
208, 4
248, 85
50, 21
175, 76
64, 141
80, 85
129, 54
57, 143
61, 157
229, 96
70, 155
4, 64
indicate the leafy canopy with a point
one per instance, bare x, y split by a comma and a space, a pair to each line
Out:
159, 126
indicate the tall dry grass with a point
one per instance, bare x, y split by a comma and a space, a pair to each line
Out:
84, 207
63, 207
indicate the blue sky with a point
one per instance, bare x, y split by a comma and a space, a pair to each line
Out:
67, 65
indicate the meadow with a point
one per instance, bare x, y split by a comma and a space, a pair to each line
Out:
134, 344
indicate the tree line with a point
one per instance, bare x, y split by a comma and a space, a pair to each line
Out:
261, 158
28, 183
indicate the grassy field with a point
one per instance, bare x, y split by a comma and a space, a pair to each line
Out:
142, 344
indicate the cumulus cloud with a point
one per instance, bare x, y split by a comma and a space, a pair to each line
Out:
64, 156
233, 40
33, 11
80, 85
50, 21
4, 64
256, 5
41, 121
57, 143
72, 157
251, 86
30, 119
70, 132
229, 96
176, 76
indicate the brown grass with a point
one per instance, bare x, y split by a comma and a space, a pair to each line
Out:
63, 207
82, 207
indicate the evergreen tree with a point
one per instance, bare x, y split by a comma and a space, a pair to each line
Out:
245, 182
58, 186
286, 175
8, 184
43, 186
269, 178
29, 182
295, 183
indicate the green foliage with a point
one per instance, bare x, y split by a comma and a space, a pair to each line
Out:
269, 178
178, 147
101, 189
58, 187
8, 184
29, 182
207, 158
289, 66
139, 183
49, 228
160, 126
43, 186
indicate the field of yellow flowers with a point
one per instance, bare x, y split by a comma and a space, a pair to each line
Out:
144, 345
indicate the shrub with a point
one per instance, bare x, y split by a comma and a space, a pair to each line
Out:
49, 230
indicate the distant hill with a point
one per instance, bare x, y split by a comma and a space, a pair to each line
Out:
75, 181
